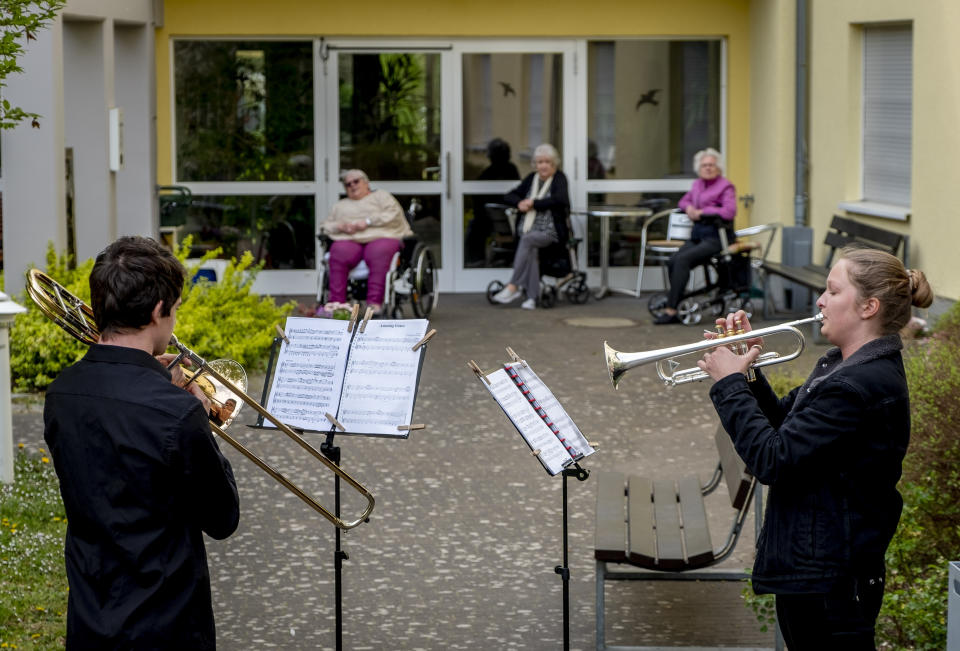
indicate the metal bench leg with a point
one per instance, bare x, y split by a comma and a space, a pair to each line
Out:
601, 623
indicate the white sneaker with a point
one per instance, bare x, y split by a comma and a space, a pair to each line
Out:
506, 296
529, 304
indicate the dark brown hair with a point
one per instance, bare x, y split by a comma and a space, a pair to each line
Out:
882, 276
128, 279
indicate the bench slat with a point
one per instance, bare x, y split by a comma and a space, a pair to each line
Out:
610, 542
696, 531
812, 277
669, 536
881, 238
642, 543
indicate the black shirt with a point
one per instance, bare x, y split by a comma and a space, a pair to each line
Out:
141, 477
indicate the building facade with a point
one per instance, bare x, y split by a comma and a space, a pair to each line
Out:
255, 109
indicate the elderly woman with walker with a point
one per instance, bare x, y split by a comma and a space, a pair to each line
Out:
544, 204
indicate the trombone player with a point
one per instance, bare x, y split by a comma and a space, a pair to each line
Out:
140, 473
831, 452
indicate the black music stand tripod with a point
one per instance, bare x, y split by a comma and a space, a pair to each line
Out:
331, 452
581, 474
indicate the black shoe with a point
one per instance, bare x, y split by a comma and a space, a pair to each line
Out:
665, 318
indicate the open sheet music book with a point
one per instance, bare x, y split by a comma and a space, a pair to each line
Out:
366, 380
538, 416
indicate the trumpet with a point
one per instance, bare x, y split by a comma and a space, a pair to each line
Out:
219, 380
669, 369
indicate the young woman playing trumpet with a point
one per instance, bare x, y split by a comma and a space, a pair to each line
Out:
831, 452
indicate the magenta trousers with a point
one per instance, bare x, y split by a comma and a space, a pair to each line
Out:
346, 254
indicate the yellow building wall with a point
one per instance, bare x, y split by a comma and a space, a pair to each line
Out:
441, 19
835, 122
772, 112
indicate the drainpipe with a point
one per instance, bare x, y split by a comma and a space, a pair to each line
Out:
798, 239
800, 137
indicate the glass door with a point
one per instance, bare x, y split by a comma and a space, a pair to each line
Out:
512, 96
387, 106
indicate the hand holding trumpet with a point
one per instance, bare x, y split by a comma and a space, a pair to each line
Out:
722, 361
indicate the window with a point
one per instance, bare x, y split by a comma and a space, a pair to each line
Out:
652, 105
244, 110
887, 113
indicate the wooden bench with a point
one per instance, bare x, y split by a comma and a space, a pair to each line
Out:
659, 527
843, 232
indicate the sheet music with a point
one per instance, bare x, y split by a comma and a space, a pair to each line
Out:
532, 428
309, 372
568, 429
380, 383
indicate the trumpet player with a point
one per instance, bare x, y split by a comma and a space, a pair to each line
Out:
140, 473
831, 453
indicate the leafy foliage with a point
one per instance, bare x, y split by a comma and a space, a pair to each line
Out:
915, 607
20, 20
225, 319
39, 348
216, 320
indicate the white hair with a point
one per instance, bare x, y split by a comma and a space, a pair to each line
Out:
360, 173
709, 151
549, 151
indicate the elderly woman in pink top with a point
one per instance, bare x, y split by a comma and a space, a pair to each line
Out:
711, 204
368, 225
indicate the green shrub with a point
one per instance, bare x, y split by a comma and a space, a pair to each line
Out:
216, 320
39, 348
224, 320
914, 611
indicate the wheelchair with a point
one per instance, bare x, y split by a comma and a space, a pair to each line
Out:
727, 288
411, 279
559, 271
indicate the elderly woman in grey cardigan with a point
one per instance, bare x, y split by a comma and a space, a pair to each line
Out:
544, 204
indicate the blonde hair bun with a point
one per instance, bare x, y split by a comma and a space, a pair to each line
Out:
920, 289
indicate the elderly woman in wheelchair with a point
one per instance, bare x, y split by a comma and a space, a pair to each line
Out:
369, 251
368, 225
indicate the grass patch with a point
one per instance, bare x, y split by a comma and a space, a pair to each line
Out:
33, 579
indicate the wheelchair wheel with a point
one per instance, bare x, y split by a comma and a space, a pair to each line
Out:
577, 291
656, 304
493, 289
425, 292
689, 311
548, 296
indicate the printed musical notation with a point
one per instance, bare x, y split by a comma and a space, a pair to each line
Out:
367, 380
535, 414
379, 387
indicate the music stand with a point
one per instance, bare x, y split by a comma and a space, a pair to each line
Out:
333, 453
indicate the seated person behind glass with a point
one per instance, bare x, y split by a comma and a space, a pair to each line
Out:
544, 204
480, 227
368, 225
711, 204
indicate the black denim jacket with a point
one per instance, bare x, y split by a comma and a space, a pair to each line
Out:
831, 452
141, 478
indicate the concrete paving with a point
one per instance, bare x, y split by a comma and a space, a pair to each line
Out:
461, 547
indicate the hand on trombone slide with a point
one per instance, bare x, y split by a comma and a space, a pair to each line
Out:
722, 361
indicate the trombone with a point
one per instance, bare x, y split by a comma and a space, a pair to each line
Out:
670, 371
76, 317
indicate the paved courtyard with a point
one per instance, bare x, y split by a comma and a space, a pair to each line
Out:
461, 548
